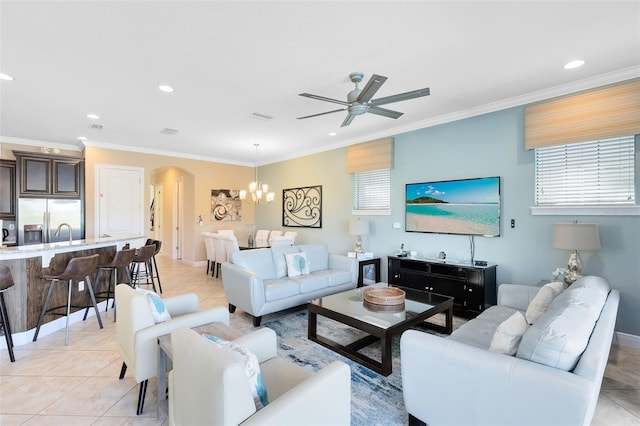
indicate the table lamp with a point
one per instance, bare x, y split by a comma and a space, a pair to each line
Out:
574, 237
359, 228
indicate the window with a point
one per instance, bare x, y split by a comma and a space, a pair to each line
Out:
590, 174
371, 192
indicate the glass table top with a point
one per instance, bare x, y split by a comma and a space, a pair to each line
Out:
351, 303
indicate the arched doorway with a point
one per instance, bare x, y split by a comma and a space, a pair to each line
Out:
172, 203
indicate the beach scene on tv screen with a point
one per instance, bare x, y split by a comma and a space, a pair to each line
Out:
469, 207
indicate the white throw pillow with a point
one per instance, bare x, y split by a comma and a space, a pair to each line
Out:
542, 300
251, 366
156, 306
297, 264
507, 337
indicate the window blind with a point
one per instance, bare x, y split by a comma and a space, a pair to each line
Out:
606, 112
596, 173
372, 190
374, 155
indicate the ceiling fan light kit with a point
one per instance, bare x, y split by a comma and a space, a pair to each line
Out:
359, 101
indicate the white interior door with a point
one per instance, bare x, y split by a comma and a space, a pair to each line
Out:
120, 201
177, 220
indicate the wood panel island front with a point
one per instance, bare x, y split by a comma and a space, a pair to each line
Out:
29, 263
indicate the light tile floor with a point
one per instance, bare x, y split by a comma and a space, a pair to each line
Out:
51, 384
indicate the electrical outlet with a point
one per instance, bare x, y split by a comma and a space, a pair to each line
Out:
80, 285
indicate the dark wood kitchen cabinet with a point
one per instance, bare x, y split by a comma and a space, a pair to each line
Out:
50, 176
7, 189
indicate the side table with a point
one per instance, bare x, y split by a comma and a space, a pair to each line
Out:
362, 263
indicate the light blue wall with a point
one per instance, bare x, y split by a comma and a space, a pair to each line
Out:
487, 145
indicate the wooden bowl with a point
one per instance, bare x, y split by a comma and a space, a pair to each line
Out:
383, 309
384, 295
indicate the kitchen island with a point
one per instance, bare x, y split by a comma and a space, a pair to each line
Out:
29, 263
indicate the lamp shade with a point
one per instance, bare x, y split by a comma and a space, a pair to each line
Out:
576, 236
358, 227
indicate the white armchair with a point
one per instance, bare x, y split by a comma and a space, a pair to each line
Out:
137, 333
208, 387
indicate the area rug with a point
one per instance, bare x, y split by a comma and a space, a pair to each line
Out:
375, 399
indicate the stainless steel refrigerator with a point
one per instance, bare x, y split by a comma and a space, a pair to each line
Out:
42, 216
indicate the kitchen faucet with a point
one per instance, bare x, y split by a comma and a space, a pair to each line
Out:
70, 233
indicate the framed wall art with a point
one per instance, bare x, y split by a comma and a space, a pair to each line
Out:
302, 207
226, 204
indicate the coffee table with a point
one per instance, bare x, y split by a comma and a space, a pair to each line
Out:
165, 356
348, 308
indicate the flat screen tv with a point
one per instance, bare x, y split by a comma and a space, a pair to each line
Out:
464, 207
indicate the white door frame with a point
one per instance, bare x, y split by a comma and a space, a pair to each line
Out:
177, 232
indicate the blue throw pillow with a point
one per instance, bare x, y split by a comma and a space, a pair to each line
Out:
251, 366
156, 306
297, 264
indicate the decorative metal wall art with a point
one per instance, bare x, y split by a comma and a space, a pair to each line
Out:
226, 204
302, 207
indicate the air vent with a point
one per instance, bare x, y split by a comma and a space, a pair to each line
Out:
168, 131
95, 126
260, 116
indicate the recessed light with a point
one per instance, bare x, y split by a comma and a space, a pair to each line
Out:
6, 77
332, 134
82, 138
165, 88
93, 116
574, 64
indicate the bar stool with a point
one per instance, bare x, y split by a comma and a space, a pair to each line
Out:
78, 269
153, 263
143, 256
120, 262
6, 282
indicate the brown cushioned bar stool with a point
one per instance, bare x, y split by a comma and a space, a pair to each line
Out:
78, 269
153, 263
120, 262
6, 282
143, 256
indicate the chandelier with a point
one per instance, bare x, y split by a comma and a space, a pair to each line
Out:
257, 189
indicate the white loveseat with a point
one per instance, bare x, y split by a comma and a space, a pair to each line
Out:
554, 378
257, 281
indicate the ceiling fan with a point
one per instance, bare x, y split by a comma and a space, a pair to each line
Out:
359, 100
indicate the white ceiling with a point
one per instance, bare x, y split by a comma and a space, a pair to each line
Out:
227, 60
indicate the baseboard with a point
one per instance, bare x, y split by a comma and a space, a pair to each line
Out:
626, 339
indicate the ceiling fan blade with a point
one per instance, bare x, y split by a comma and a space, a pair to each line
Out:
401, 97
373, 85
322, 113
384, 112
348, 120
322, 98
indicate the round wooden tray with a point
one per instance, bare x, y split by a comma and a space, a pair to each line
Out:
384, 295
386, 309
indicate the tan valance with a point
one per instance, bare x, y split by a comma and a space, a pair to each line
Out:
602, 113
374, 155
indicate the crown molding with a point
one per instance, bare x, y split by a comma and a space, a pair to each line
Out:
165, 153
42, 144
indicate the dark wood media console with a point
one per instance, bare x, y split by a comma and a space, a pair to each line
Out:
473, 288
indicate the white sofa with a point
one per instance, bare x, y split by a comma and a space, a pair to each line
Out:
554, 378
208, 386
257, 282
